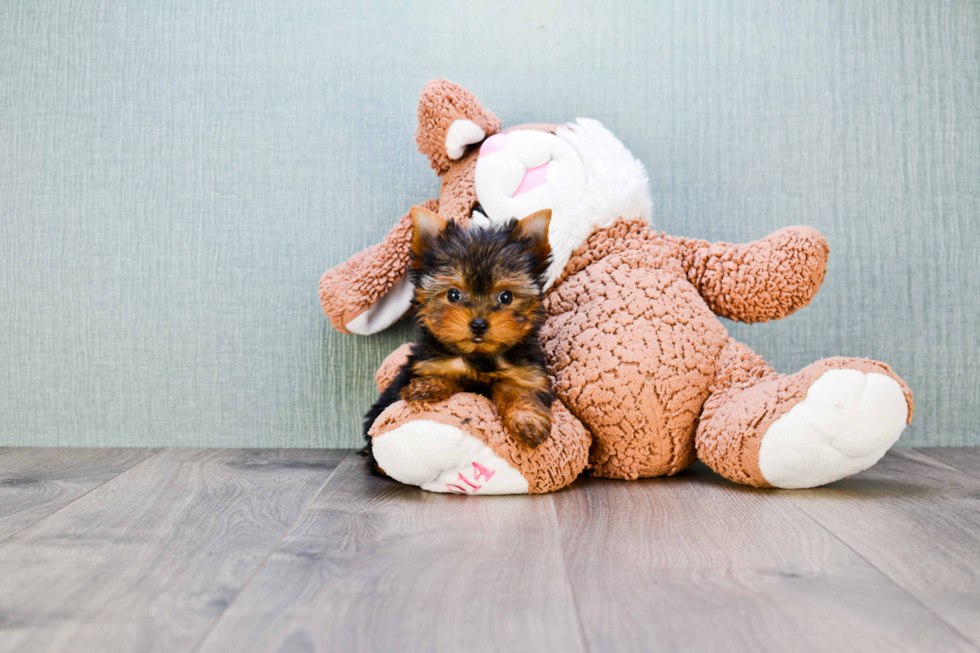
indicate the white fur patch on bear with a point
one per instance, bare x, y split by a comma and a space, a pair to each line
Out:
460, 134
618, 186
844, 425
592, 181
388, 310
501, 174
442, 458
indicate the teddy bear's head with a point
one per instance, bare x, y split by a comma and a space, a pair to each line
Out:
579, 170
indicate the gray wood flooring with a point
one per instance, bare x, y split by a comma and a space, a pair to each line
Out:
292, 550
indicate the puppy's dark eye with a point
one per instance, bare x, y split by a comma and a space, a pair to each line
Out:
453, 296
505, 297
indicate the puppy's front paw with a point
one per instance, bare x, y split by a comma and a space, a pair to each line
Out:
427, 389
529, 426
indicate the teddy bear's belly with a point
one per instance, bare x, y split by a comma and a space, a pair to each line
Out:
632, 351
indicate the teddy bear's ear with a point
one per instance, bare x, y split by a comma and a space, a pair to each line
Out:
450, 118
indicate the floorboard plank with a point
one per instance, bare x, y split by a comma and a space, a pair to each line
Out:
377, 566
918, 521
695, 563
965, 459
35, 482
149, 560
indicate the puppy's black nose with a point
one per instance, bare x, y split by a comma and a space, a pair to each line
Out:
478, 326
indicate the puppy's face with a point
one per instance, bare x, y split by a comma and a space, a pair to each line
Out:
481, 313
479, 290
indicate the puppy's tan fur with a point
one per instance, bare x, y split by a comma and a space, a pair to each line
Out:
462, 278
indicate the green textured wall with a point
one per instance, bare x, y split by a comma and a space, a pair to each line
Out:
175, 176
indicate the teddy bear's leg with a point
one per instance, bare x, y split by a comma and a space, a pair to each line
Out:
831, 419
459, 446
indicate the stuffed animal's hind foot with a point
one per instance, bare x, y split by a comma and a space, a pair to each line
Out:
443, 458
461, 446
844, 425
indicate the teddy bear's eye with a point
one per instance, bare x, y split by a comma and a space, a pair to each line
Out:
453, 296
505, 297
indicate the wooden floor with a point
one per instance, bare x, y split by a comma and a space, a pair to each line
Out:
285, 550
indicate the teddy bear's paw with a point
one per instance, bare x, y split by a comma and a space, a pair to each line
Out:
443, 458
844, 425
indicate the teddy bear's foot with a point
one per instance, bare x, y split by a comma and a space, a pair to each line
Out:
459, 446
443, 458
845, 424
831, 419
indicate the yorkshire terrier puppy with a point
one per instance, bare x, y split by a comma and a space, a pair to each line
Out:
478, 310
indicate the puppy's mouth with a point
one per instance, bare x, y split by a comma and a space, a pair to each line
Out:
481, 345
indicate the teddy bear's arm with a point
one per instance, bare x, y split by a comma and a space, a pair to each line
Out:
763, 280
391, 365
369, 292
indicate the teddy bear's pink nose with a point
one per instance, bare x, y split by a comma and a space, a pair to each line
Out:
493, 144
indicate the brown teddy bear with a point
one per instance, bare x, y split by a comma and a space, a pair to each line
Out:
647, 378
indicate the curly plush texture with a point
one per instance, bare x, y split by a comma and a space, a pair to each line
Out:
355, 285
457, 198
647, 378
548, 467
441, 103
349, 289
765, 280
391, 365
747, 397
639, 357
633, 350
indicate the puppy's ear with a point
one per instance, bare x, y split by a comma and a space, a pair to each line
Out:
426, 227
534, 228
